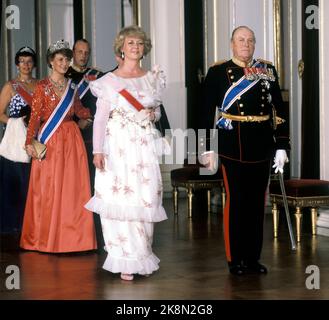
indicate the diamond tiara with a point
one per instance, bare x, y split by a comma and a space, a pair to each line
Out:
27, 49
58, 45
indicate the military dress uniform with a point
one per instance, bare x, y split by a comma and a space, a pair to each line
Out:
89, 101
251, 127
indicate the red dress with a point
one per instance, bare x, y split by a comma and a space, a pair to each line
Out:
55, 219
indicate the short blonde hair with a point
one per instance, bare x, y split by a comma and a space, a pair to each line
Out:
131, 31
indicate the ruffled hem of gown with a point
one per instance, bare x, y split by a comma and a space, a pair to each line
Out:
144, 266
125, 212
59, 250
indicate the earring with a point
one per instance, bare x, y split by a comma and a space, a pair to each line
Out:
122, 55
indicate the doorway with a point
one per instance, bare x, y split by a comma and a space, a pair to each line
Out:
194, 60
310, 150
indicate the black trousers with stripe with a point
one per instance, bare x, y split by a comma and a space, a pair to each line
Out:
246, 185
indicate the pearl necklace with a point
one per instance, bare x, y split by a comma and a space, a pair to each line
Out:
28, 81
59, 85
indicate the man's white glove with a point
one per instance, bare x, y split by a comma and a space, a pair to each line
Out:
279, 160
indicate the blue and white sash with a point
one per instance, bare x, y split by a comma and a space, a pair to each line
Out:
58, 114
232, 94
83, 85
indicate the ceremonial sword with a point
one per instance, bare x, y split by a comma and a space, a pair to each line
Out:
285, 203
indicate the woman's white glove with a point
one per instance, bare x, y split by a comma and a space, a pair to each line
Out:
146, 114
279, 160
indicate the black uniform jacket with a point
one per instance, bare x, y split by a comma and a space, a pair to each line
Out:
247, 141
88, 100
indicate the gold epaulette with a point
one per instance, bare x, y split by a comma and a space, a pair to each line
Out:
265, 61
217, 63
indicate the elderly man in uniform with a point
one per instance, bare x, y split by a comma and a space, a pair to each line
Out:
251, 127
82, 75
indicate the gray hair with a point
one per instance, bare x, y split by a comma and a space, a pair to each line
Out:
242, 27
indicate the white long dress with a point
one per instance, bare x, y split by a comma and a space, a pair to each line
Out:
128, 193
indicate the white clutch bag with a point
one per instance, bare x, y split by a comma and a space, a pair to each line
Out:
13, 141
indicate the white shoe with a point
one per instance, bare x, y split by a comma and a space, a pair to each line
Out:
127, 277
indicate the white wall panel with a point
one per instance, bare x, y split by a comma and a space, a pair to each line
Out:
224, 15
104, 24
60, 21
324, 112
324, 92
167, 35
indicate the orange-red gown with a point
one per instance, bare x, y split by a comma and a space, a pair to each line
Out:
55, 219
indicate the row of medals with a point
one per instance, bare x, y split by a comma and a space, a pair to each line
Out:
264, 74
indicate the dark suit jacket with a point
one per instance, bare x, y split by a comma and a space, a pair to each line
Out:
248, 141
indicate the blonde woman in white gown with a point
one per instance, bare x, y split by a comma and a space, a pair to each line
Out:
128, 184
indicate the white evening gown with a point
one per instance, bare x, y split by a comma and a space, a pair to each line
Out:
128, 193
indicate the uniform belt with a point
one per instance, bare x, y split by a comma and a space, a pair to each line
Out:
245, 118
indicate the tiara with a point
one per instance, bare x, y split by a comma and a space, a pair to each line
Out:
27, 49
58, 45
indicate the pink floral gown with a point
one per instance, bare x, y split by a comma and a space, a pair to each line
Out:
128, 194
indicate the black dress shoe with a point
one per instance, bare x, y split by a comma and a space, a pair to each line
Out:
255, 267
237, 269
